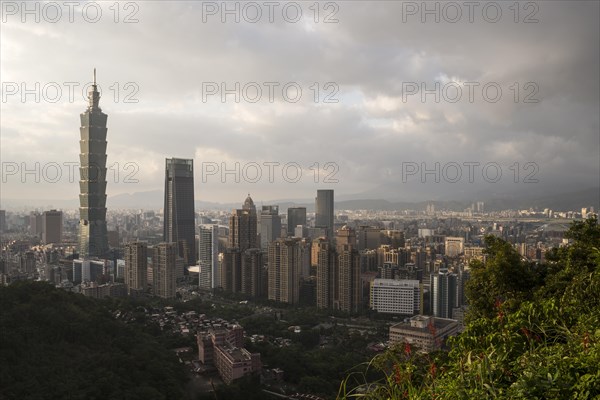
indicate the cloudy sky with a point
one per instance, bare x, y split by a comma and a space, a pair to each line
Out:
388, 89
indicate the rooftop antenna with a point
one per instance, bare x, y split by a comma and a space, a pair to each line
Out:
94, 76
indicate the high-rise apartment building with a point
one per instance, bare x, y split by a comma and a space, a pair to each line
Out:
295, 216
286, 258
208, 256
270, 225
252, 274
179, 211
324, 213
93, 240
326, 270
243, 227
347, 280
164, 265
230, 270
338, 272
136, 267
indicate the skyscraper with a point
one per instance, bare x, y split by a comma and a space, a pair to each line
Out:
325, 272
208, 257
286, 257
443, 293
270, 225
324, 211
230, 270
243, 227
136, 266
164, 274
295, 216
347, 279
52, 226
35, 224
180, 216
252, 277
93, 239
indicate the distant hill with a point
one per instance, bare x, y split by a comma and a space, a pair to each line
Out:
523, 199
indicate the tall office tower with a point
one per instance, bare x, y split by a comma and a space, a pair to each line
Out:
164, 264
295, 216
326, 270
368, 237
242, 227
346, 235
35, 224
93, 239
284, 269
270, 225
347, 280
2, 221
52, 226
180, 215
324, 211
252, 273
368, 260
420, 258
208, 256
230, 264
394, 238
136, 267
443, 293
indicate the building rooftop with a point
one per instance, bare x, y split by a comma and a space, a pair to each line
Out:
423, 323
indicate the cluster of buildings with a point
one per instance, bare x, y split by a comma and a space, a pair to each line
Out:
352, 261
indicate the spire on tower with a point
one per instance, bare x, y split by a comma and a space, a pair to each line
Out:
94, 95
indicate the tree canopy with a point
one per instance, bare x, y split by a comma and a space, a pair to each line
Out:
60, 345
533, 332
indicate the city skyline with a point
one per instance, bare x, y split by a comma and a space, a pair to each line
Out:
299, 196
372, 130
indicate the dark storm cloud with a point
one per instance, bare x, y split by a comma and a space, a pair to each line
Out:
370, 55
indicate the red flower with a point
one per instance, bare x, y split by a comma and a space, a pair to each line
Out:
586, 340
407, 349
397, 374
433, 369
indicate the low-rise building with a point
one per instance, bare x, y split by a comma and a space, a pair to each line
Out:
425, 332
222, 347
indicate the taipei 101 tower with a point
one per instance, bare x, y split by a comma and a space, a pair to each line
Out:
93, 239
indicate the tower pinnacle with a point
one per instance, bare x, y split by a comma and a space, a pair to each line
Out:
94, 96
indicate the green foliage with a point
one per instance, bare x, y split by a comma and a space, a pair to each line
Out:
59, 345
504, 278
533, 333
